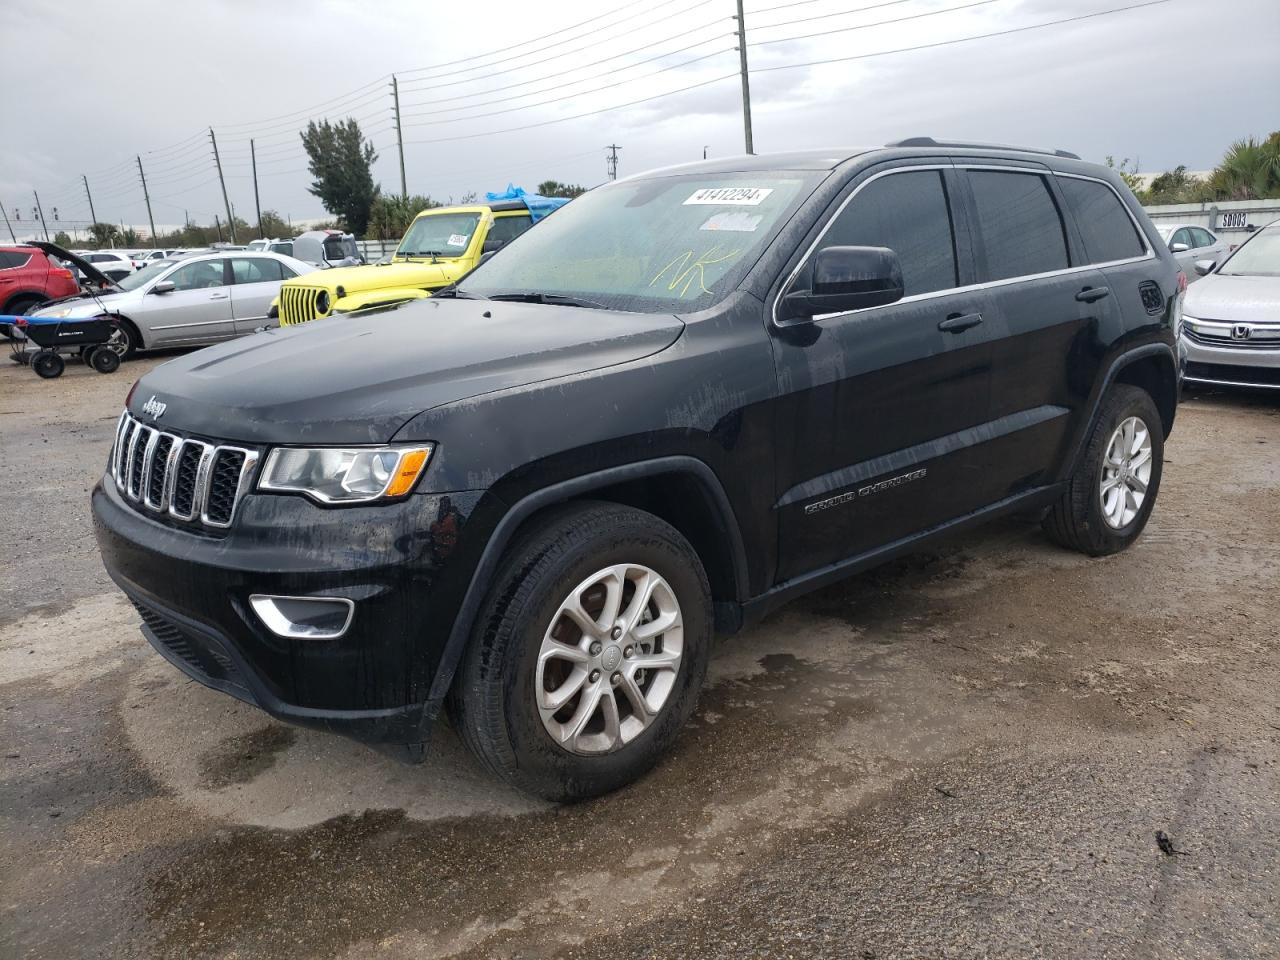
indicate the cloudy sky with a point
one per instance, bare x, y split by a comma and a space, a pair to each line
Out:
492, 91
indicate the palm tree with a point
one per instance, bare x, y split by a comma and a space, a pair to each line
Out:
1250, 170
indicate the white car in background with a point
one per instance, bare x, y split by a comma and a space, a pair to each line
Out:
1189, 242
200, 299
114, 263
1231, 319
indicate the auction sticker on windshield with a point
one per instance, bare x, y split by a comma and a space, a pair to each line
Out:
457, 240
739, 196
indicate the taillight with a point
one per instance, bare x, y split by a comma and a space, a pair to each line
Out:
62, 274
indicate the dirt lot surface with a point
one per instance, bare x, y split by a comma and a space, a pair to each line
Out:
965, 754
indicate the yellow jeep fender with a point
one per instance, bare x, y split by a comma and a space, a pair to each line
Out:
380, 297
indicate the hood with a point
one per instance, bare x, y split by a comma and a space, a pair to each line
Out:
359, 379
1234, 299
386, 275
81, 305
90, 272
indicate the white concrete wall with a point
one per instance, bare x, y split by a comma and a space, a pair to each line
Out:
1228, 218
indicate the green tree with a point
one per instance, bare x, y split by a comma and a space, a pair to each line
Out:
61, 239
1250, 170
130, 238
1130, 177
103, 234
389, 217
274, 225
340, 159
554, 188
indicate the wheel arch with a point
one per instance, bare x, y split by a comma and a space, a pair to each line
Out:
137, 331
684, 491
1152, 367
39, 295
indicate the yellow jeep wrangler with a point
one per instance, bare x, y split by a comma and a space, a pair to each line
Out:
440, 245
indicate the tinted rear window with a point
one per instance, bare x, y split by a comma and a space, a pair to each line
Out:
1107, 229
1021, 227
12, 258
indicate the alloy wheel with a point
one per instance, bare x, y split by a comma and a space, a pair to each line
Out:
609, 659
1126, 472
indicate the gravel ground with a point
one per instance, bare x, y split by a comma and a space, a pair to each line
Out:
967, 753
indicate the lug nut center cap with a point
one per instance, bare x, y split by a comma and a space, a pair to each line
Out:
611, 657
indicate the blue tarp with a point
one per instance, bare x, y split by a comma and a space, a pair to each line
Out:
538, 206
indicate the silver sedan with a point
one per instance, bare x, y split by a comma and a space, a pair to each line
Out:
190, 302
1231, 319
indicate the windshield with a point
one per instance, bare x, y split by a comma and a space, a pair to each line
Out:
286, 248
336, 248
648, 245
439, 235
1256, 257
144, 276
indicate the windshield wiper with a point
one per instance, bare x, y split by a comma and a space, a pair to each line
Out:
557, 299
452, 291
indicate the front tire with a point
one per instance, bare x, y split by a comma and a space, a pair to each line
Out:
1110, 496
589, 653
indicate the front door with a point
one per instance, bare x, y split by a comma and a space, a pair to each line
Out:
881, 410
196, 310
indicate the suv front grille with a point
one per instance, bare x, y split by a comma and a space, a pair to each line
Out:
298, 304
179, 478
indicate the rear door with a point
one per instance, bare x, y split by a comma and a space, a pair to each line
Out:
880, 410
197, 310
256, 283
1049, 310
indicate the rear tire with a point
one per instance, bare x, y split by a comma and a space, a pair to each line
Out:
48, 366
635, 686
1110, 496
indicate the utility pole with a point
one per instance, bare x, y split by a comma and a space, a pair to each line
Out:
217, 224
613, 149
231, 224
93, 216
147, 196
395, 96
253, 158
746, 84
704, 153
8, 224
43, 225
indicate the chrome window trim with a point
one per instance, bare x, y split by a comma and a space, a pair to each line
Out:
198, 323
1149, 254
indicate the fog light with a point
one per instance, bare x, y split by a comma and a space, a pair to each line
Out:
304, 618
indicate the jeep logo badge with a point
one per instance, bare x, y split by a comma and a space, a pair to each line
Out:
1241, 331
154, 408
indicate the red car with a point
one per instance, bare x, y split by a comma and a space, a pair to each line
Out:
29, 277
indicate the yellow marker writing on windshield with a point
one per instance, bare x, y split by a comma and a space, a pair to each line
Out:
686, 268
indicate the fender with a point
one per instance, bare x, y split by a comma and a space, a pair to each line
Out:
1119, 363
379, 297
482, 576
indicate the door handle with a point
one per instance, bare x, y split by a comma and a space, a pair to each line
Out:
1090, 294
219, 296
960, 321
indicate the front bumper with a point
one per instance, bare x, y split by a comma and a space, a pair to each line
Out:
1252, 366
393, 561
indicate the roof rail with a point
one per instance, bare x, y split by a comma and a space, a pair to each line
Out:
930, 142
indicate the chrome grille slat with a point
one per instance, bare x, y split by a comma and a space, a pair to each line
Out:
180, 478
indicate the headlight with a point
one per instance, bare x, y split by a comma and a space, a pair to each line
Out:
322, 301
345, 475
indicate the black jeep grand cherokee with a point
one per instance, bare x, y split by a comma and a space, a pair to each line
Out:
684, 399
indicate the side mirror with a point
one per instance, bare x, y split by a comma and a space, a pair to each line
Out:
492, 246
847, 278
484, 257
1178, 248
1205, 267
164, 286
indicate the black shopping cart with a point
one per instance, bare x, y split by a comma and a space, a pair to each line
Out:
93, 339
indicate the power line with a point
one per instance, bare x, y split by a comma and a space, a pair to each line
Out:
647, 11
575, 96
579, 116
865, 26
568, 83
947, 43
498, 73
